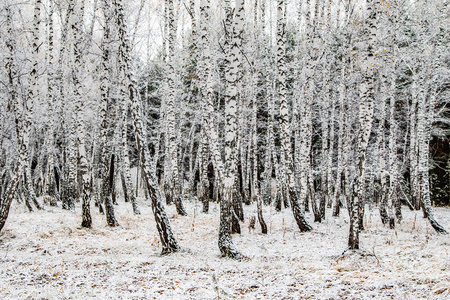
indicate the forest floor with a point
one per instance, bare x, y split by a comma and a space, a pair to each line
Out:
47, 255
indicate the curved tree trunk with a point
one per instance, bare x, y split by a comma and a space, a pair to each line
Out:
284, 122
168, 241
11, 187
424, 117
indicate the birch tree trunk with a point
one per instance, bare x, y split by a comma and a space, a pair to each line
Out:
22, 139
340, 155
284, 121
78, 136
232, 65
381, 148
413, 147
393, 168
50, 188
209, 135
32, 97
168, 241
107, 157
424, 117
233, 48
254, 151
127, 184
173, 186
365, 115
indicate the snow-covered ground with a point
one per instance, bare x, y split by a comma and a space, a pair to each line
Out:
47, 255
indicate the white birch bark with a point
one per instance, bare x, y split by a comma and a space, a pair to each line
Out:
393, 129
32, 98
340, 145
232, 69
173, 184
79, 133
413, 146
168, 241
125, 161
107, 157
284, 121
11, 188
385, 209
365, 116
50, 188
424, 122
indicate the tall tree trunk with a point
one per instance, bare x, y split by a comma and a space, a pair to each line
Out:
168, 241
107, 117
284, 121
22, 139
203, 189
254, 152
127, 184
50, 188
413, 148
32, 98
232, 65
173, 184
393, 168
340, 155
365, 115
384, 208
424, 117
76, 19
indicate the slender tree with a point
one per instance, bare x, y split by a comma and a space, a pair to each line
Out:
168, 241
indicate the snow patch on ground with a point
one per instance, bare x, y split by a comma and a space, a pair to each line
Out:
47, 255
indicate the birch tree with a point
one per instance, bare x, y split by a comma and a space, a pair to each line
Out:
173, 176
365, 114
168, 241
284, 121
22, 130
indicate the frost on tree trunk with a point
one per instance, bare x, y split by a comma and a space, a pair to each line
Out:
365, 115
108, 164
77, 151
207, 93
330, 184
393, 168
254, 151
172, 180
413, 148
168, 241
107, 158
286, 153
233, 65
31, 98
339, 174
22, 139
384, 207
127, 185
207, 90
234, 26
79, 131
50, 188
71, 192
425, 107
203, 170
325, 151
270, 162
